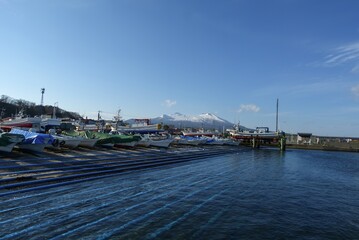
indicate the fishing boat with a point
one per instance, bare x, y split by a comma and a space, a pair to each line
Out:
33, 141
222, 141
38, 124
103, 139
233, 142
141, 126
157, 140
189, 140
85, 141
67, 141
215, 141
262, 133
143, 142
200, 132
9, 140
21, 122
110, 140
259, 132
48, 123
125, 140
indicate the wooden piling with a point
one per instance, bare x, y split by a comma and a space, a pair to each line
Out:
283, 143
255, 142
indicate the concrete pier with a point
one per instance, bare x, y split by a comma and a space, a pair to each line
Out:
257, 142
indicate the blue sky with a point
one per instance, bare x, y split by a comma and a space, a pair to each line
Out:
233, 58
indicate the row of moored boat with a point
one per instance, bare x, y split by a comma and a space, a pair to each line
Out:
33, 141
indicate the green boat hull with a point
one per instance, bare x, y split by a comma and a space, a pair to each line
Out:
105, 138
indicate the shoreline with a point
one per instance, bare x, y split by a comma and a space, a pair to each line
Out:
335, 147
338, 148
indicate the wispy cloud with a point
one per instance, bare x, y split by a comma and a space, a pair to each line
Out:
355, 69
344, 54
309, 86
248, 108
169, 103
316, 87
355, 90
350, 110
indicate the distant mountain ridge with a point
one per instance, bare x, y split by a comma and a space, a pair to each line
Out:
178, 120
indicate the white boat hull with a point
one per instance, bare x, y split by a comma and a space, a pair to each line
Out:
68, 142
143, 143
88, 142
71, 143
233, 143
215, 142
128, 144
7, 148
32, 147
161, 143
196, 134
108, 145
189, 142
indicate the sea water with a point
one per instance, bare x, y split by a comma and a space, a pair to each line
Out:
250, 194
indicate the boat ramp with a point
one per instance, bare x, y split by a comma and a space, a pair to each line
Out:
22, 172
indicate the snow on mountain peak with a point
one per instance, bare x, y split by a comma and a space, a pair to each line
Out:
206, 120
211, 116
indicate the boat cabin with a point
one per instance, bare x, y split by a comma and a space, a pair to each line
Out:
304, 138
262, 129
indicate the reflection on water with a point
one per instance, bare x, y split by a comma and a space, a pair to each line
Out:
253, 194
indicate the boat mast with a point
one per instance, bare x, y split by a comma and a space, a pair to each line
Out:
118, 118
276, 122
54, 109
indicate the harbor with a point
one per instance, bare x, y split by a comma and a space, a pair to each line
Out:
160, 120
69, 180
216, 193
23, 170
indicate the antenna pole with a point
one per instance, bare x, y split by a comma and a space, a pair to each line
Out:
42, 96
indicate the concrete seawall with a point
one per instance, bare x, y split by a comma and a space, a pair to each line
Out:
328, 146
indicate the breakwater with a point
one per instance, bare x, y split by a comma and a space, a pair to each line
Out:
329, 146
326, 146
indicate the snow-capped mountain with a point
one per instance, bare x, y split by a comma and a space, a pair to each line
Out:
205, 120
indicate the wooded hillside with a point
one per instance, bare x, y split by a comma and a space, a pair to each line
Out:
10, 107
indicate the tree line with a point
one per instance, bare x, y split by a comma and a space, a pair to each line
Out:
10, 107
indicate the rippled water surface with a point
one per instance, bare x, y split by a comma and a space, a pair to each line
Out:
253, 194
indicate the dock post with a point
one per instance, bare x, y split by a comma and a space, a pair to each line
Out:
283, 142
255, 142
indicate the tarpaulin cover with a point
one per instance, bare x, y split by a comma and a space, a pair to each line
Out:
34, 137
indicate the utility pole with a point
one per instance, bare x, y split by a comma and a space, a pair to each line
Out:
2, 112
54, 109
42, 96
